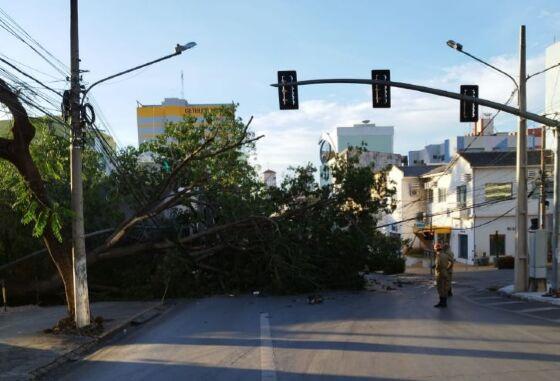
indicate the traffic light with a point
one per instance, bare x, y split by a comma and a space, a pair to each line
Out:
288, 95
469, 110
381, 94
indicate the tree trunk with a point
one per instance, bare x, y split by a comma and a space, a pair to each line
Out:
16, 151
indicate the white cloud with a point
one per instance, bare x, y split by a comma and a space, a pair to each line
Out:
419, 119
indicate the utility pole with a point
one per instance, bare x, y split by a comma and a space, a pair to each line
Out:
542, 206
556, 229
521, 265
81, 297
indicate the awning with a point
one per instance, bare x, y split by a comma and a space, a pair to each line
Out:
436, 229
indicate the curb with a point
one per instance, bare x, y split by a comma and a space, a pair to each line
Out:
75, 354
527, 298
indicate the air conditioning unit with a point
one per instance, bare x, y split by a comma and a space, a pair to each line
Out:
466, 177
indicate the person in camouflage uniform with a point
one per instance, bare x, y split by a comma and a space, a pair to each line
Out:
442, 267
452, 260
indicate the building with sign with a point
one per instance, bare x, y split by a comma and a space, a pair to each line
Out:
151, 119
469, 203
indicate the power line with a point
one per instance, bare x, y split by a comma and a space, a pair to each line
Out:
12, 27
30, 76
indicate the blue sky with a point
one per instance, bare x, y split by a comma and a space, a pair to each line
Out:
241, 45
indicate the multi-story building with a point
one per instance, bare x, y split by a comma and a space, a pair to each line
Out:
408, 199
430, 154
552, 80
484, 138
152, 119
375, 138
377, 142
469, 203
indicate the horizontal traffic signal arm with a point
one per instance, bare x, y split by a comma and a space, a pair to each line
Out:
429, 90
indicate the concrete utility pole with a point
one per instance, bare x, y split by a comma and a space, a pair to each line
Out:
521, 263
81, 296
542, 206
556, 229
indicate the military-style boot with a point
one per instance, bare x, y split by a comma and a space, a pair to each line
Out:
450, 293
440, 304
444, 302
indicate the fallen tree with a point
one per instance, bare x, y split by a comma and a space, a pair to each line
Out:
210, 225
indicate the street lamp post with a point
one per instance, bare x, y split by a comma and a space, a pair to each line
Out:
521, 263
179, 49
81, 297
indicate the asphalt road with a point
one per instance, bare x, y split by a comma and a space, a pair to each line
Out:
394, 335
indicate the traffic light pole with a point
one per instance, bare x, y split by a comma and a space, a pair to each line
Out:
521, 277
430, 90
81, 297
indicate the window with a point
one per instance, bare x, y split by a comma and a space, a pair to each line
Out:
497, 244
497, 191
430, 195
462, 195
442, 194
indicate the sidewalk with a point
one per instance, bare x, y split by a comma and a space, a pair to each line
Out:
531, 296
24, 347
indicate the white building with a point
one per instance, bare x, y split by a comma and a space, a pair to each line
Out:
484, 138
375, 138
471, 203
408, 200
552, 79
377, 141
430, 154
269, 178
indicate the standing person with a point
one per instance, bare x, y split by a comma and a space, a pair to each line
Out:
451, 258
442, 275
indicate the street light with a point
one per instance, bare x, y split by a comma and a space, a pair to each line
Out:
521, 260
459, 47
178, 50
181, 48
454, 45
81, 298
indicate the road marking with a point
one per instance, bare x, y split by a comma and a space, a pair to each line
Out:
529, 310
268, 369
503, 303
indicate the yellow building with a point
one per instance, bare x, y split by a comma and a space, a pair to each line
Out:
153, 118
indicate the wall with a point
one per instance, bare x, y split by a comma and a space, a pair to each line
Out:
407, 205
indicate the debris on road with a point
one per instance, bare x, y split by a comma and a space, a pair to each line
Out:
314, 299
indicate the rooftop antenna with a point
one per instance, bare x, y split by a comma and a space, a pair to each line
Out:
182, 86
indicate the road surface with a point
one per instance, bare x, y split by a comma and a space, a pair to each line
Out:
394, 335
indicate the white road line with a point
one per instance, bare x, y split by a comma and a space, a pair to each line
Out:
268, 369
529, 310
486, 297
503, 303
